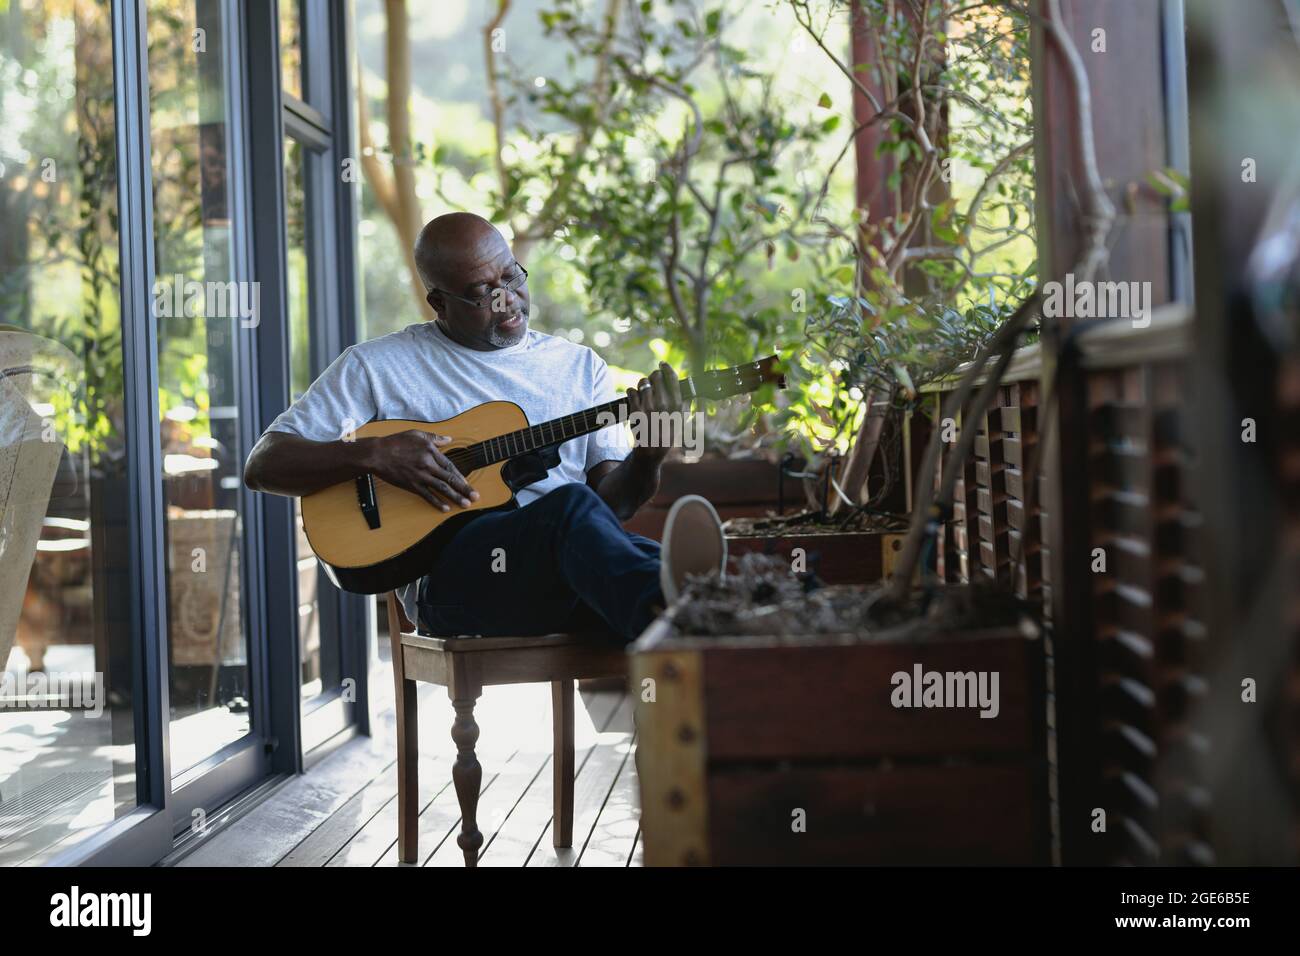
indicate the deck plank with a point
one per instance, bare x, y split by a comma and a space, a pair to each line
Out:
359, 833
592, 788
359, 813
288, 816
343, 811
613, 836
496, 803
527, 822
439, 824
500, 713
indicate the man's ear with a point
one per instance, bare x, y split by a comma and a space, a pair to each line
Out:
435, 300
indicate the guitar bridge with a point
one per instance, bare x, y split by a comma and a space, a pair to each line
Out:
366, 499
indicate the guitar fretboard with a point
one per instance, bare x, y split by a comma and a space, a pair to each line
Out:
525, 440
521, 442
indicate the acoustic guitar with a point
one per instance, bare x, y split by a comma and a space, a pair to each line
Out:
373, 537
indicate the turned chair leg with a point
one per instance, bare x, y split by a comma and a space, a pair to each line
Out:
467, 776
563, 762
408, 772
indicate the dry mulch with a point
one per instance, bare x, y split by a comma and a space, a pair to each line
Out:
761, 597
811, 523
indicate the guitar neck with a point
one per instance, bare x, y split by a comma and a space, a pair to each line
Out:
557, 430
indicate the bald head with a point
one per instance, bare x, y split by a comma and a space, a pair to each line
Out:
463, 259
452, 244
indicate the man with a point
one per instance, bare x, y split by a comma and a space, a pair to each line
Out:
560, 562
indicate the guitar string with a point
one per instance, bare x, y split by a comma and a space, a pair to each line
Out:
524, 440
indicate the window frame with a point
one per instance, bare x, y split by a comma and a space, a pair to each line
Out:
282, 740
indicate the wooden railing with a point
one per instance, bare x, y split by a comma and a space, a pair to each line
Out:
1129, 660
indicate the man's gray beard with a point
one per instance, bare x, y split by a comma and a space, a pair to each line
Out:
504, 341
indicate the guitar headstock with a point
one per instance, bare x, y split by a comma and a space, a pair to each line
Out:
737, 380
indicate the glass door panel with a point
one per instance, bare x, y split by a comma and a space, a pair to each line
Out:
291, 48
321, 663
200, 314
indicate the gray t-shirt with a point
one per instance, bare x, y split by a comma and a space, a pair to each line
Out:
418, 373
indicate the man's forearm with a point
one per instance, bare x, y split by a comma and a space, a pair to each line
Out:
631, 484
284, 464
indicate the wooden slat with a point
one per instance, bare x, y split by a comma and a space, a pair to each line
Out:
845, 558
373, 810
520, 833
527, 769
1012, 452
592, 787
375, 842
438, 824
439, 820
835, 700
989, 448
311, 822
470, 644
730, 481
859, 816
614, 835
273, 828
1010, 416
991, 503
1014, 482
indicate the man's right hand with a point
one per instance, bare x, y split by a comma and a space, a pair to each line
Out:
413, 461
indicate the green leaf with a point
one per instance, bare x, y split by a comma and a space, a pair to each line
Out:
824, 101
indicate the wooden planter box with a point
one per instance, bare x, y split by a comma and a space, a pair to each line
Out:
745, 732
740, 488
847, 557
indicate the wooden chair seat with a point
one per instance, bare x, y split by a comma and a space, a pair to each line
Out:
465, 665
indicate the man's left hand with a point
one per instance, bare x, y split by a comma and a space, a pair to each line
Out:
659, 393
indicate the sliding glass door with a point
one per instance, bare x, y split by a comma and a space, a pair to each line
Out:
68, 756
329, 625
202, 312
167, 643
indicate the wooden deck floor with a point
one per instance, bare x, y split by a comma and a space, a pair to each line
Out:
343, 811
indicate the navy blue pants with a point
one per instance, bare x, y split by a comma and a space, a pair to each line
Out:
560, 563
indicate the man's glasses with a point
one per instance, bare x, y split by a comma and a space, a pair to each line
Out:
512, 283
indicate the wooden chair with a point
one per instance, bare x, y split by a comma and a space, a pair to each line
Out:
465, 665
28, 466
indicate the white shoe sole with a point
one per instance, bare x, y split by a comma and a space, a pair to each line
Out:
693, 543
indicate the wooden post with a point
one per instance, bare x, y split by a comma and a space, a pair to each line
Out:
562, 761
1120, 45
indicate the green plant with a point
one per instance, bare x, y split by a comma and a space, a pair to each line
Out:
910, 289
673, 180
60, 270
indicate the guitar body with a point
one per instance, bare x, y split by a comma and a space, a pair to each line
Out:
410, 532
